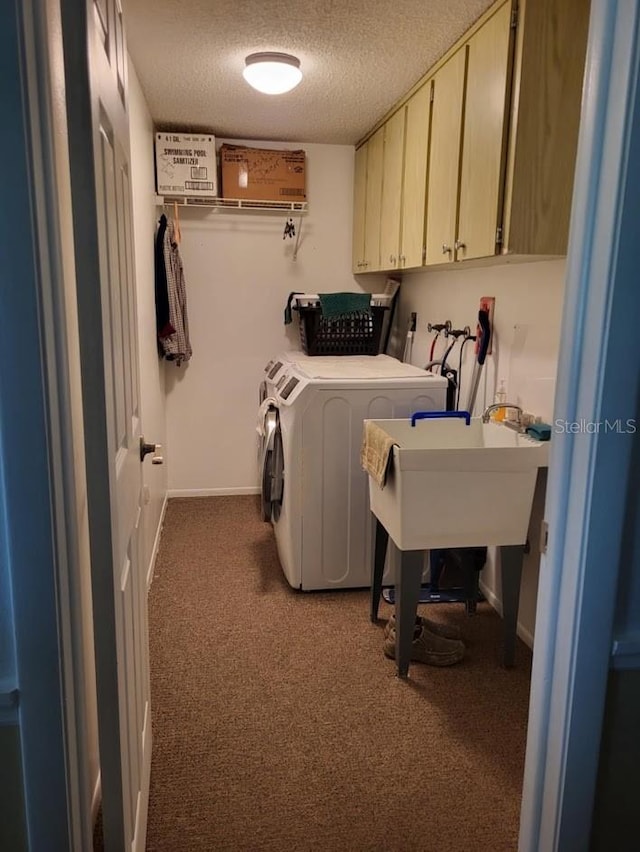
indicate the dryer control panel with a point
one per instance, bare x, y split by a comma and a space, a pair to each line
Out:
289, 387
272, 369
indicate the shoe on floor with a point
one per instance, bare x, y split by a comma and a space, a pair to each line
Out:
428, 648
447, 631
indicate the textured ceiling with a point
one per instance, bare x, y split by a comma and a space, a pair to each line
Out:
357, 57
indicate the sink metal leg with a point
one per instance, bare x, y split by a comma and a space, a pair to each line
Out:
407, 597
470, 579
511, 559
379, 556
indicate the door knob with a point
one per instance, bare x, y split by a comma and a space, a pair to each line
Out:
145, 449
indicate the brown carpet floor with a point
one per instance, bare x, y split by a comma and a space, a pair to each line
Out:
278, 724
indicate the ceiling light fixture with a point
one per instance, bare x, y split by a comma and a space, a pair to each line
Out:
272, 73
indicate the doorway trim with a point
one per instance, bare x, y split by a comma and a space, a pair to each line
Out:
588, 477
45, 565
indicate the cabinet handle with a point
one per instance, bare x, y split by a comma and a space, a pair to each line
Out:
459, 245
392, 259
402, 258
446, 249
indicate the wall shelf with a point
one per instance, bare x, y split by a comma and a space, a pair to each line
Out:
299, 207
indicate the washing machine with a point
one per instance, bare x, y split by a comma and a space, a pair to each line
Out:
314, 490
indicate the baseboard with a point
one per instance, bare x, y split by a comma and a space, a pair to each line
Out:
156, 544
213, 492
496, 603
96, 800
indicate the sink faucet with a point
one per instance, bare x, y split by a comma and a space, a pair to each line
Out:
496, 405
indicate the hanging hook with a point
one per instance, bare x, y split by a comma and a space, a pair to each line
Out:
289, 229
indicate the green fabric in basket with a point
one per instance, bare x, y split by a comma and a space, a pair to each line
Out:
340, 304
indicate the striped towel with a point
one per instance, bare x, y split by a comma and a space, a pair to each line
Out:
335, 305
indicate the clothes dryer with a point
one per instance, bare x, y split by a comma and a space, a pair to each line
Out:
273, 371
267, 419
312, 480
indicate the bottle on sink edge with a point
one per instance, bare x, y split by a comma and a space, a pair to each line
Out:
500, 396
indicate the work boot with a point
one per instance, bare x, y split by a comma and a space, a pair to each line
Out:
427, 648
447, 631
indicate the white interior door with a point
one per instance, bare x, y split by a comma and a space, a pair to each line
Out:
108, 339
113, 196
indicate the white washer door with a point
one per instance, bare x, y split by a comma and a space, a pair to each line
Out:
272, 467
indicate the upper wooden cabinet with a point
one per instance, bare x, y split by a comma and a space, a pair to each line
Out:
467, 156
359, 201
490, 136
373, 206
390, 190
393, 162
484, 138
367, 204
545, 117
444, 159
414, 179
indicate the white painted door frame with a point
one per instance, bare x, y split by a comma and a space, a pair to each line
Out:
37, 451
599, 366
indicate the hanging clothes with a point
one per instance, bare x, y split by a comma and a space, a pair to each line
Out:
163, 326
171, 296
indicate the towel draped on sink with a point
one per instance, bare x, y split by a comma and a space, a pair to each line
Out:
376, 452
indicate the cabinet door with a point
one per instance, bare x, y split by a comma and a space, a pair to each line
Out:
359, 202
373, 209
444, 159
414, 185
392, 190
482, 143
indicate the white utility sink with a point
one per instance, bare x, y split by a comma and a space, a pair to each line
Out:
453, 485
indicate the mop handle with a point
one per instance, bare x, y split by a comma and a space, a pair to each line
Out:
483, 322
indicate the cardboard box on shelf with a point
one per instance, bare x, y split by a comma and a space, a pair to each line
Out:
186, 164
262, 174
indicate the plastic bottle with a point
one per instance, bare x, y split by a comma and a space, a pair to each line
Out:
501, 396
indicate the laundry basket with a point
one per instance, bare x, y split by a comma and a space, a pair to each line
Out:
358, 334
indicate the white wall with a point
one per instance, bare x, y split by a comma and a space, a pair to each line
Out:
152, 391
527, 320
239, 272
